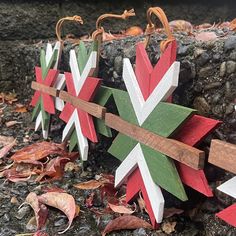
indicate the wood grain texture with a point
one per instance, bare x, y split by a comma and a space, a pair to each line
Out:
178, 151
223, 155
44, 89
89, 107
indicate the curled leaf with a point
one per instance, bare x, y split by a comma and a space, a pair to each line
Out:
125, 222
54, 169
121, 209
40, 210
62, 201
7, 148
168, 227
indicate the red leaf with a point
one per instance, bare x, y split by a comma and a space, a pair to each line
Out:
53, 169
40, 210
40, 233
62, 201
38, 151
14, 176
7, 148
89, 200
126, 222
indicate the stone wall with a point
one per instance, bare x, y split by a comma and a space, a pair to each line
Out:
207, 77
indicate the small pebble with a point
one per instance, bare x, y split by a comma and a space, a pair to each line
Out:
22, 212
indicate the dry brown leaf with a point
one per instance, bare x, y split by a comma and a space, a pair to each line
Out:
70, 166
54, 169
7, 148
40, 210
62, 201
168, 227
4, 140
232, 25
133, 31
181, 25
91, 184
8, 97
168, 212
206, 36
12, 123
121, 209
141, 203
125, 222
20, 109
38, 151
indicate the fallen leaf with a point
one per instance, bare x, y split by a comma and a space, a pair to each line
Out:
133, 31
71, 166
21, 109
232, 25
54, 169
121, 209
12, 123
7, 148
168, 212
38, 151
91, 184
89, 200
206, 36
4, 140
141, 203
8, 97
125, 222
168, 227
62, 201
14, 176
40, 210
181, 25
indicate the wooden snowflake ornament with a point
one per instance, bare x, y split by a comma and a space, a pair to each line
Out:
80, 84
47, 75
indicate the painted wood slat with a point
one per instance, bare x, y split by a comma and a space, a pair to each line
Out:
136, 160
135, 184
228, 215
143, 70
229, 187
164, 63
164, 89
192, 133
